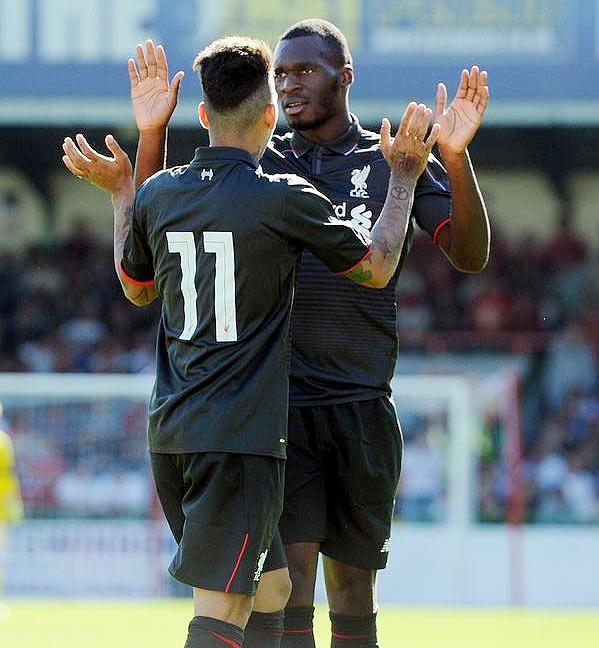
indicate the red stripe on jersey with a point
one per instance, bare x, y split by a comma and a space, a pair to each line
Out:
238, 563
440, 226
356, 264
136, 282
225, 640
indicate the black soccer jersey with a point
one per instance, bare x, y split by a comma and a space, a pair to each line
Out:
344, 342
222, 242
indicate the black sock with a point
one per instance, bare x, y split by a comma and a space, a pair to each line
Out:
299, 631
353, 631
264, 630
205, 632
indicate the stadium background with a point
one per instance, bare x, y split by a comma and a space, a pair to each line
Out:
519, 342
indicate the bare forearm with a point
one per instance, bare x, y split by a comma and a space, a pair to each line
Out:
466, 239
122, 203
388, 234
151, 154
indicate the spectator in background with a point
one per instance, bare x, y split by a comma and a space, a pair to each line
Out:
11, 507
563, 261
570, 364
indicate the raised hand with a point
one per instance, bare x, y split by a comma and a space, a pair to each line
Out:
460, 121
113, 174
407, 153
154, 99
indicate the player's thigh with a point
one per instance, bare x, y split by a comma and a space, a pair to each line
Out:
363, 482
170, 489
231, 505
304, 508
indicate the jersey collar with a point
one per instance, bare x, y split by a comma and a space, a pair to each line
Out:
342, 145
211, 154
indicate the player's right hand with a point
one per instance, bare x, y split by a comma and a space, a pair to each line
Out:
407, 153
153, 97
113, 174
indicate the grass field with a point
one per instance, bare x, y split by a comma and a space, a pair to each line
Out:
162, 624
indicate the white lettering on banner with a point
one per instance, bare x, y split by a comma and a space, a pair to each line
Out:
128, 25
71, 31
88, 558
15, 30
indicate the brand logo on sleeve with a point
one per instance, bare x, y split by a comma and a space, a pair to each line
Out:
207, 173
358, 178
386, 546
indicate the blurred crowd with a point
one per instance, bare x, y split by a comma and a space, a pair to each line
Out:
62, 311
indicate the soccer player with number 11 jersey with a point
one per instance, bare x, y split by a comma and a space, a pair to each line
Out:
344, 451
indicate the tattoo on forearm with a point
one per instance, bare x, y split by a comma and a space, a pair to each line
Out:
360, 274
123, 216
400, 193
388, 235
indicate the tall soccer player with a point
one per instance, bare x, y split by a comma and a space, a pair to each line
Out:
218, 242
344, 452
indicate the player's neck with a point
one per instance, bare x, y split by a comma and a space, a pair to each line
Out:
330, 130
250, 145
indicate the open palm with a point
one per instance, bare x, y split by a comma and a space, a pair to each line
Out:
154, 98
462, 118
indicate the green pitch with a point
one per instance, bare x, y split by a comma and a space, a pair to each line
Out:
162, 624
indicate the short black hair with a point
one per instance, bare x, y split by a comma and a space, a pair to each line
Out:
331, 34
233, 69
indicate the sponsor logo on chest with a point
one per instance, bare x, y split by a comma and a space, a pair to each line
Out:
360, 218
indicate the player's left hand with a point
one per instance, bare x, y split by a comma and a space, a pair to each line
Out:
460, 121
113, 174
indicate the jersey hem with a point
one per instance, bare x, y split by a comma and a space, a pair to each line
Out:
175, 451
339, 400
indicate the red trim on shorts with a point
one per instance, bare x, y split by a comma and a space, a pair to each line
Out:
225, 640
356, 264
136, 282
440, 226
298, 632
238, 563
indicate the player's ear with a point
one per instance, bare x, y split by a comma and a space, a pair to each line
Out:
271, 114
347, 76
203, 115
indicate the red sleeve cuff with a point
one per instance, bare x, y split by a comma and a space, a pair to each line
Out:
440, 226
135, 282
344, 272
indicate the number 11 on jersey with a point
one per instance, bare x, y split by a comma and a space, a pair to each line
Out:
221, 245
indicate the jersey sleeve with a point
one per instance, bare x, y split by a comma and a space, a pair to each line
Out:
137, 265
309, 220
432, 199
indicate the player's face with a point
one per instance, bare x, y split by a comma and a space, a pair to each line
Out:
309, 85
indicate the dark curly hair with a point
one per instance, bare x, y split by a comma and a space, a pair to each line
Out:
234, 72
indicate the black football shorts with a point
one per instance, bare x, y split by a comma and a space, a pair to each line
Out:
223, 510
343, 467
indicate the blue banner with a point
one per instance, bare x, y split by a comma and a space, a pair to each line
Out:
65, 60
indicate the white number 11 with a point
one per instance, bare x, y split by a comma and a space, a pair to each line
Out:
220, 244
